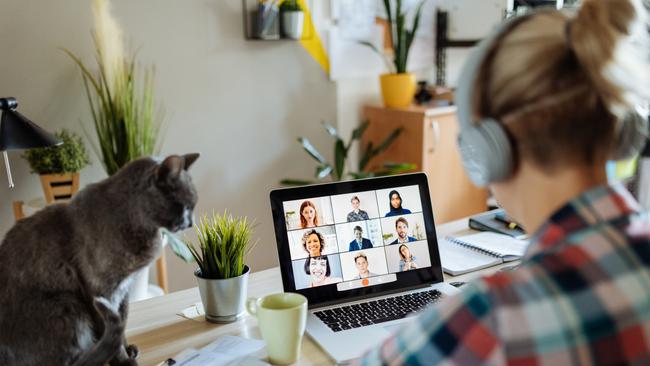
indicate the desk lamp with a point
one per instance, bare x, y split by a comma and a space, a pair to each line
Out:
17, 132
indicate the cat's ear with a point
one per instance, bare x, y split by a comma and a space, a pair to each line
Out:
170, 168
190, 159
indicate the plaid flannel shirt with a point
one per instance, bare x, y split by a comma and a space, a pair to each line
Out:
580, 297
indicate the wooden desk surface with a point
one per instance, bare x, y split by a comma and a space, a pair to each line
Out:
154, 326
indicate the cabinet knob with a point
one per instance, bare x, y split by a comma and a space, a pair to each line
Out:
435, 126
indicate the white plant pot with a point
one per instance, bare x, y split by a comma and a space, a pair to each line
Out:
140, 286
292, 23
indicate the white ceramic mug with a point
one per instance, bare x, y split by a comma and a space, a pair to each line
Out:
281, 318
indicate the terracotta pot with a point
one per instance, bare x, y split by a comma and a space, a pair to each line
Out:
398, 89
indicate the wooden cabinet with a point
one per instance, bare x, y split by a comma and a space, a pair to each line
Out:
429, 141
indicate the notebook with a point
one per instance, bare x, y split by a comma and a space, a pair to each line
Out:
473, 252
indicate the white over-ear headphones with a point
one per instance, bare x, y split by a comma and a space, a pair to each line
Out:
485, 148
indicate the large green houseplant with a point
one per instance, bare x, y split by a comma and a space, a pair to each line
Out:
398, 86
224, 242
59, 166
121, 99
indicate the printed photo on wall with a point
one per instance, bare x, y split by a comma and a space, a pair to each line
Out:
317, 271
403, 229
359, 235
313, 212
355, 207
399, 201
363, 263
312, 242
408, 256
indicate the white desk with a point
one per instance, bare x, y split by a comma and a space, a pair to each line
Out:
154, 326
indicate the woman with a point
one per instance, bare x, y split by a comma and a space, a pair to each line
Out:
542, 106
308, 215
396, 205
320, 271
313, 242
407, 261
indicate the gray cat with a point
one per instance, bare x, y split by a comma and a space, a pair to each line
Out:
65, 271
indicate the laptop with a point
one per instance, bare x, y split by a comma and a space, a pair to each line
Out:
365, 255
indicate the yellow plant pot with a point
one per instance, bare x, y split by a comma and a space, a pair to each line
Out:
398, 89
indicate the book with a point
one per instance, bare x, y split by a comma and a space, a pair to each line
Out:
498, 222
474, 252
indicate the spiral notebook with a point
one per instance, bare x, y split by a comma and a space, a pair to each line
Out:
473, 252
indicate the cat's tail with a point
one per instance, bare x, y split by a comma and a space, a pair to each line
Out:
111, 340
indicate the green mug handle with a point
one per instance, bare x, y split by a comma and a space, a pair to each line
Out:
251, 306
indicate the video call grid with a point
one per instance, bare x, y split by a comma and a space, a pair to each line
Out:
337, 224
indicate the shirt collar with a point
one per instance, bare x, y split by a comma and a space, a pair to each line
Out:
602, 204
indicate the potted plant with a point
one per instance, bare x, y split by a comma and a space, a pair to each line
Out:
222, 276
326, 171
398, 86
293, 19
121, 101
59, 166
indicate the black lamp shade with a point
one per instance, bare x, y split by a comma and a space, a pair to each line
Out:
17, 132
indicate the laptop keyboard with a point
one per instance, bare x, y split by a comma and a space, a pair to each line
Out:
377, 311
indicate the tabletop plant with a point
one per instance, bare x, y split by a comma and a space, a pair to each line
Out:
336, 171
398, 85
69, 157
224, 242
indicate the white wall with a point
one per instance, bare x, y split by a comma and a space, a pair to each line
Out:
240, 103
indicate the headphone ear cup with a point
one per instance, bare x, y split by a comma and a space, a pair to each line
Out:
486, 152
632, 136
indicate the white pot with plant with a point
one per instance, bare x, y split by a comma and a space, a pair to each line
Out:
398, 86
59, 166
293, 19
224, 243
121, 101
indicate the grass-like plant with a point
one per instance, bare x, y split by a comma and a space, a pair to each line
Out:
69, 157
401, 37
224, 242
122, 105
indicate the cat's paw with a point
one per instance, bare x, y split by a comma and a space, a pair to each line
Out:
133, 351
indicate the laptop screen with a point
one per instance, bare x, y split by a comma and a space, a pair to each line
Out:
346, 240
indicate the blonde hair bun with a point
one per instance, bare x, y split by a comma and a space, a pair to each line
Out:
610, 41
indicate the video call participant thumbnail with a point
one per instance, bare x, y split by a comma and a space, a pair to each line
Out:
361, 262
313, 242
396, 208
308, 215
357, 214
407, 260
320, 271
359, 242
402, 227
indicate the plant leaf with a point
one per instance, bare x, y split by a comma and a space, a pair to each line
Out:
311, 150
387, 142
358, 132
410, 36
177, 246
331, 130
296, 182
323, 171
365, 158
340, 156
387, 61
